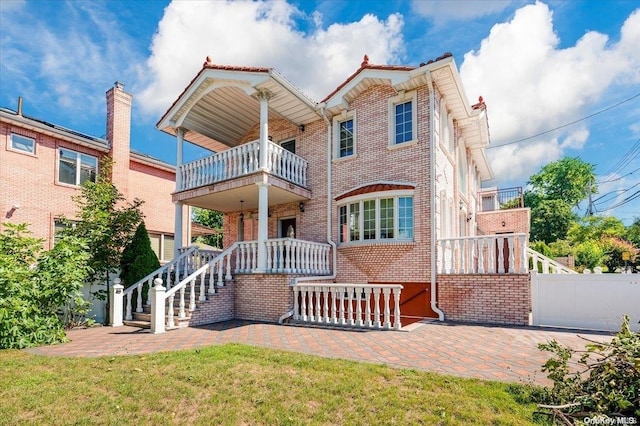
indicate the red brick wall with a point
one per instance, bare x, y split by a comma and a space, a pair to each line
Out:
154, 186
32, 182
375, 161
218, 307
263, 297
515, 220
491, 299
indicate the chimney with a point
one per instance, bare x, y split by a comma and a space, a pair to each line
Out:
20, 105
119, 135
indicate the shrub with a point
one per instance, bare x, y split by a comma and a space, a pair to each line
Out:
138, 259
607, 383
35, 286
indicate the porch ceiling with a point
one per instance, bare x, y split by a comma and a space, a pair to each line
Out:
219, 108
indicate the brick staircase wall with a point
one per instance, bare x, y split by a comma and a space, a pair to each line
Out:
217, 308
488, 298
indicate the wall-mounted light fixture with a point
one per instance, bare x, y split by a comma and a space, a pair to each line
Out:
301, 127
504, 223
461, 205
301, 206
469, 217
12, 210
241, 213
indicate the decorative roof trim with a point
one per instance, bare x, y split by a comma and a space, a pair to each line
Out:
375, 187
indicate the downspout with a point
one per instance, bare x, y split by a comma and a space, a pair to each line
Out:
432, 195
329, 240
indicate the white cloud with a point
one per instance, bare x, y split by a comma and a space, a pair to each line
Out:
530, 85
261, 34
442, 11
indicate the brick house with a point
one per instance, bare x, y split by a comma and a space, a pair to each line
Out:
364, 209
43, 164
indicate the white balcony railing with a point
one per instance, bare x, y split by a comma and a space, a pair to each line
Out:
285, 255
484, 254
240, 161
355, 305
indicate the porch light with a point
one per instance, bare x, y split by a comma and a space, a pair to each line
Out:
301, 206
241, 214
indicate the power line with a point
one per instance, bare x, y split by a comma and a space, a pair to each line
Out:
626, 158
618, 178
568, 124
625, 201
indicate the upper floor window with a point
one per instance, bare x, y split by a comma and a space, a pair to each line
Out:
75, 168
344, 134
346, 138
23, 144
403, 118
383, 218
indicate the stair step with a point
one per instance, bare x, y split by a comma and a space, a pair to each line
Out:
137, 323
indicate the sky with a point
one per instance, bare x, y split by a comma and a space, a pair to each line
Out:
560, 78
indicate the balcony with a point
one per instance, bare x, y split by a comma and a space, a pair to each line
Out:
500, 199
219, 181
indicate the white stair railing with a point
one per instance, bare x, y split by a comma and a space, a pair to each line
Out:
356, 305
168, 273
544, 265
217, 270
483, 254
289, 255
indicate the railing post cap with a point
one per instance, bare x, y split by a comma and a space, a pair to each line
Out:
117, 281
157, 282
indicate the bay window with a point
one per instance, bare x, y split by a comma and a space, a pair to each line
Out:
384, 217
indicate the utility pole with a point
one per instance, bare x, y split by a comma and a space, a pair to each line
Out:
590, 207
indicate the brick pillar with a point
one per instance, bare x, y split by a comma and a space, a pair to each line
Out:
119, 135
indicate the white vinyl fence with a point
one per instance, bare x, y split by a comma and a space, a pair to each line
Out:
585, 301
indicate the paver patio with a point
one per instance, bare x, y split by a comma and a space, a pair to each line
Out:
485, 352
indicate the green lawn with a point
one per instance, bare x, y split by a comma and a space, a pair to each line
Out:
242, 385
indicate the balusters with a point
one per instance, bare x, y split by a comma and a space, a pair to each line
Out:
325, 292
387, 314
303, 301
181, 312
128, 315
376, 308
396, 311
170, 323
192, 295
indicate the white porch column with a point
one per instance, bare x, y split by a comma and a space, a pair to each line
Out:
263, 219
263, 97
177, 235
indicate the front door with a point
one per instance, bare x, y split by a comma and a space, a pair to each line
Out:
283, 230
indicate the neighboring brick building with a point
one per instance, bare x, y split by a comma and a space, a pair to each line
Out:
376, 185
43, 164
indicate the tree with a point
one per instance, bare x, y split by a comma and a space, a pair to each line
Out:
595, 228
632, 233
550, 220
569, 179
138, 259
36, 286
618, 253
106, 221
589, 254
211, 219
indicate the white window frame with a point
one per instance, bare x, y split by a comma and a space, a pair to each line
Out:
78, 166
13, 148
403, 97
337, 120
447, 135
377, 196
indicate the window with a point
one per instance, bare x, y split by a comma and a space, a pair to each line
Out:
346, 139
403, 118
446, 128
59, 226
75, 168
344, 134
23, 144
382, 219
163, 246
404, 122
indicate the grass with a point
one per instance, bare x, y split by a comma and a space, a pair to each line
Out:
242, 385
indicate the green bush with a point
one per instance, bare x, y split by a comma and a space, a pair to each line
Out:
607, 382
138, 259
36, 286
